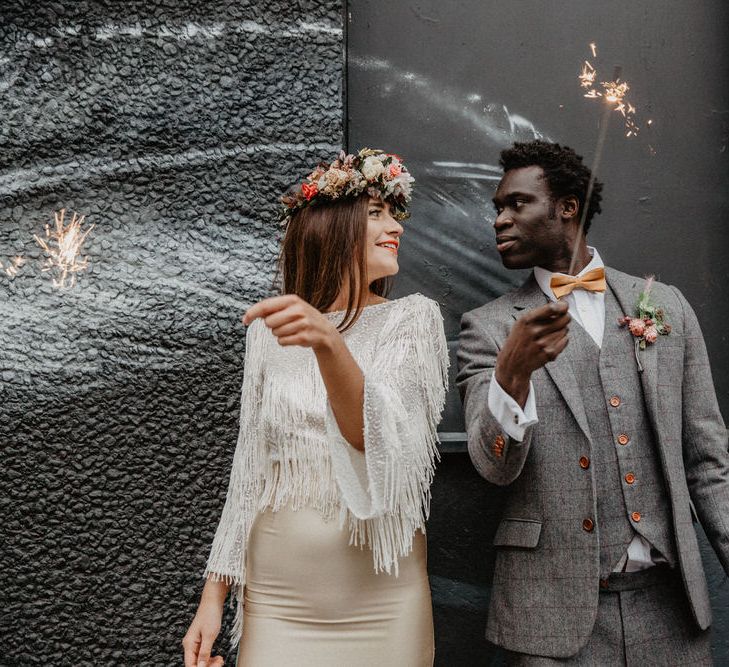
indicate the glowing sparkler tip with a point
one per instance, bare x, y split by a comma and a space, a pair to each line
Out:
613, 92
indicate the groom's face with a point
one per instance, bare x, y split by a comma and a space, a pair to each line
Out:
528, 231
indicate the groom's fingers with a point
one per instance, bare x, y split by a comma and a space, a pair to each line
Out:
545, 327
548, 312
553, 344
557, 324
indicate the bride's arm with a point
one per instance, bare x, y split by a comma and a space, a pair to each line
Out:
294, 322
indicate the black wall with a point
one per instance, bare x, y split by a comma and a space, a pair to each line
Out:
447, 86
174, 126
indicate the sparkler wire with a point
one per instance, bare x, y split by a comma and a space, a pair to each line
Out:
604, 122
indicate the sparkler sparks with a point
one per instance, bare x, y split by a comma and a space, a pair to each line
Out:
614, 92
62, 245
13, 266
587, 78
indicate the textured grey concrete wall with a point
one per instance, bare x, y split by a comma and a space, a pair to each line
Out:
174, 126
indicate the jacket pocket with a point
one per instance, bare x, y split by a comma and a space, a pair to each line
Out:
522, 533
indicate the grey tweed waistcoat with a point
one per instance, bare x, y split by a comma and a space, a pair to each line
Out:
631, 491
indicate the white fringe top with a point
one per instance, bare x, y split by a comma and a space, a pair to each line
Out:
290, 451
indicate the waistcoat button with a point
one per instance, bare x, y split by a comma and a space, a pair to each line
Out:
615, 401
587, 525
630, 478
635, 516
623, 439
584, 462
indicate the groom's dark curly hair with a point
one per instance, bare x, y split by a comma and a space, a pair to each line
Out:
563, 170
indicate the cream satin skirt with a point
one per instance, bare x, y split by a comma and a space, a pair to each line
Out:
311, 600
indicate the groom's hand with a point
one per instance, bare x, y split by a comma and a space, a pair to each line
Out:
538, 337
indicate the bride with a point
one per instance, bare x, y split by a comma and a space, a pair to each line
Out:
322, 537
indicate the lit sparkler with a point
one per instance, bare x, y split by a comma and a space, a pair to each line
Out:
62, 245
613, 93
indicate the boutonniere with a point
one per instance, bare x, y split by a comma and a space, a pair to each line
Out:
649, 322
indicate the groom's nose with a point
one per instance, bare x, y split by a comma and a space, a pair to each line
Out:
503, 219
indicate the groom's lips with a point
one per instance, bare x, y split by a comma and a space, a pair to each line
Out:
503, 243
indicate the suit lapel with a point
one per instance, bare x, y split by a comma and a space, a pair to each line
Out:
562, 372
527, 297
626, 290
530, 296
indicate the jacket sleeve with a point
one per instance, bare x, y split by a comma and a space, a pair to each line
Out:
704, 439
387, 487
496, 456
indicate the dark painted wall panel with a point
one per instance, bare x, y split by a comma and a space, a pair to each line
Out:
448, 85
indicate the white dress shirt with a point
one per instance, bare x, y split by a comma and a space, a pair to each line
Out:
588, 310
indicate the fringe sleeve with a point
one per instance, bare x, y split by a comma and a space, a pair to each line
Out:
386, 489
227, 555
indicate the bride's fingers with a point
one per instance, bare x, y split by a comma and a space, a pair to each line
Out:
287, 329
269, 306
282, 317
191, 647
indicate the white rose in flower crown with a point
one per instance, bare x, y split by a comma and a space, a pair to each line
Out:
372, 167
402, 185
332, 182
356, 183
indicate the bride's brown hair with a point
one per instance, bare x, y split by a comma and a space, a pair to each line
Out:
323, 251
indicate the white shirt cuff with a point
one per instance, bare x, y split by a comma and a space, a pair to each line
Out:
508, 413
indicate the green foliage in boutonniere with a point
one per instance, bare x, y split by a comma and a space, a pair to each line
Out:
650, 321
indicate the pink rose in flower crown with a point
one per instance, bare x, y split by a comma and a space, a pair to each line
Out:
395, 170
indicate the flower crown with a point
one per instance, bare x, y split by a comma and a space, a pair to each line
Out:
375, 172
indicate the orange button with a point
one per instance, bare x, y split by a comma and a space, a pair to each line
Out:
584, 462
623, 439
588, 525
630, 478
615, 401
635, 516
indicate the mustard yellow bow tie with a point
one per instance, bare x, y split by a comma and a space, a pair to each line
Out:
592, 281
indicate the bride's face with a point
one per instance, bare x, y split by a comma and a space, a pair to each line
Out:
383, 240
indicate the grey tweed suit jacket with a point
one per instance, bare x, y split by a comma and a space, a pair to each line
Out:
545, 589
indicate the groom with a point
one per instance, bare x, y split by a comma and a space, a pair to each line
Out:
610, 441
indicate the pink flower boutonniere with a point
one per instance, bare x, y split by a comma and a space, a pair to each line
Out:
648, 324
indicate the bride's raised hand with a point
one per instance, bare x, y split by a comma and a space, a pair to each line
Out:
294, 322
